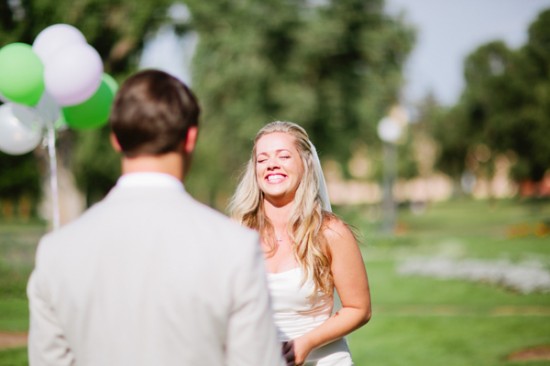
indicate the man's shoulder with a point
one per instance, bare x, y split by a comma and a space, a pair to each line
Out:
218, 221
183, 214
67, 230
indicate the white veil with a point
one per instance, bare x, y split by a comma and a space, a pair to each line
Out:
325, 201
323, 191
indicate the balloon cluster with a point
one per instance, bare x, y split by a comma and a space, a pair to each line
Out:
58, 81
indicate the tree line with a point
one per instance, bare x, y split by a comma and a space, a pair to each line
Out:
504, 110
334, 67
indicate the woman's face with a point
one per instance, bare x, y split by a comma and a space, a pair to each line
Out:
279, 167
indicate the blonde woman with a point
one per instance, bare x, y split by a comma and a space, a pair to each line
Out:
310, 254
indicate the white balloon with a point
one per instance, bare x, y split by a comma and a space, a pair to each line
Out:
48, 110
50, 40
73, 74
21, 129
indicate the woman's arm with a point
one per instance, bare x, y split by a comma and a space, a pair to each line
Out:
351, 282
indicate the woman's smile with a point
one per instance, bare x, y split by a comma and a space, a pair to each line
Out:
275, 178
279, 167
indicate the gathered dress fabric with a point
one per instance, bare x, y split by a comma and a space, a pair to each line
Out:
298, 310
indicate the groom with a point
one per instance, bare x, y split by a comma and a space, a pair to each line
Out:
149, 276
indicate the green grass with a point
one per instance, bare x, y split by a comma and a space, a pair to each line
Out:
14, 314
14, 357
18, 243
426, 321
416, 320
444, 340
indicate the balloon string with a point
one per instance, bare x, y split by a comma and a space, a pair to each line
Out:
53, 174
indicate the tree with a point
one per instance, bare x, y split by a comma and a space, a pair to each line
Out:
20, 179
505, 106
531, 83
453, 138
117, 29
481, 113
333, 67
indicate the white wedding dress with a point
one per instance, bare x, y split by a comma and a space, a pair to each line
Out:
295, 314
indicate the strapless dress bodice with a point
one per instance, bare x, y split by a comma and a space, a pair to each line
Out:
297, 309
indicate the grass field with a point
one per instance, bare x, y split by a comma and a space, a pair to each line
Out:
428, 321
417, 320
17, 247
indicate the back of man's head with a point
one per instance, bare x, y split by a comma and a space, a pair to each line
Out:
152, 113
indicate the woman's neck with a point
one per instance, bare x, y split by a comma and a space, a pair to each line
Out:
278, 215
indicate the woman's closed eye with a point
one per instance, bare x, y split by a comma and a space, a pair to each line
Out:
262, 158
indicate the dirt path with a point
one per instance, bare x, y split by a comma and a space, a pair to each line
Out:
12, 339
538, 353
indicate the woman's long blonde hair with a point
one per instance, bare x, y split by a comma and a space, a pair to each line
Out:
305, 225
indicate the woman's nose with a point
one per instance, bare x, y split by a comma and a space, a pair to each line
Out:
272, 163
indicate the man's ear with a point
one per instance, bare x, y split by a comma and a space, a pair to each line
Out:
114, 142
191, 139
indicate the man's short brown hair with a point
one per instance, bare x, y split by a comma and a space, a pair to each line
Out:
152, 113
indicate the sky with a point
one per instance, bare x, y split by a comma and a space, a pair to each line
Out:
449, 30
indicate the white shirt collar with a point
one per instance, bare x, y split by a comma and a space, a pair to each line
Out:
149, 179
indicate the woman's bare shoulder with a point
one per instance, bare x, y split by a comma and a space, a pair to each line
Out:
335, 229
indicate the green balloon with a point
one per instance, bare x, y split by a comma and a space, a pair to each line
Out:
93, 112
111, 83
21, 74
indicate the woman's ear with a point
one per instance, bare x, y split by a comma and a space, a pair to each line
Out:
114, 142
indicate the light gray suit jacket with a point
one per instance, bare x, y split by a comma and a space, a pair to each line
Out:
149, 276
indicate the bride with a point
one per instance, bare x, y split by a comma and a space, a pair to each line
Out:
311, 255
